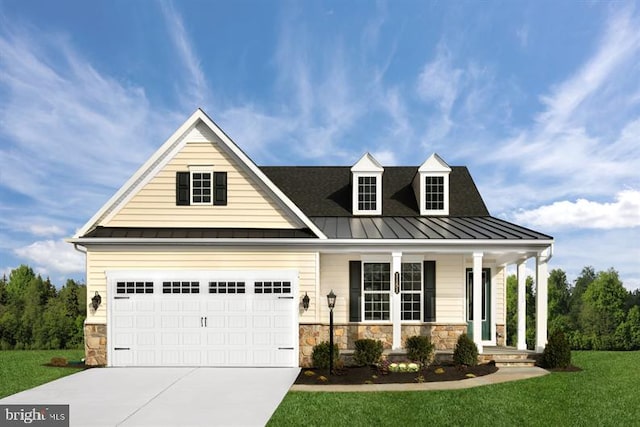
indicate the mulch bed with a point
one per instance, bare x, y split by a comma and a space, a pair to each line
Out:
370, 375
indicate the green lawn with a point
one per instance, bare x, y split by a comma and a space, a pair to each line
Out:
22, 370
606, 392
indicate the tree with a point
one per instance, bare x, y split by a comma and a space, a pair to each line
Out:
603, 309
559, 297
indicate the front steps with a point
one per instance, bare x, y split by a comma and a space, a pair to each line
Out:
508, 357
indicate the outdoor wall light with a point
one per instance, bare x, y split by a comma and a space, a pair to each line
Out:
96, 301
305, 302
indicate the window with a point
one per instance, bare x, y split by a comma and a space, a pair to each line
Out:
134, 287
434, 193
367, 191
376, 285
411, 291
272, 287
180, 287
201, 186
226, 287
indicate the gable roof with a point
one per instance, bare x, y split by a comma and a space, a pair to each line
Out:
326, 191
169, 149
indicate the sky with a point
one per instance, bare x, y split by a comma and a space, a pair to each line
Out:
540, 100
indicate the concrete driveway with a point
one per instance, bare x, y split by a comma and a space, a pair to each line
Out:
166, 396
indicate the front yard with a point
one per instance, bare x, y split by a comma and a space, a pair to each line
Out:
604, 393
22, 370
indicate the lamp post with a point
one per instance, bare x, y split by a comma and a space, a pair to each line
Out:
331, 302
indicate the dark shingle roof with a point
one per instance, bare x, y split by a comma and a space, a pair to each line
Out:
326, 191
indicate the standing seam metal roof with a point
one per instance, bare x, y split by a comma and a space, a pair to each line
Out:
429, 228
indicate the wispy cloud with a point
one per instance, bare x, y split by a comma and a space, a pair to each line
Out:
584, 141
195, 86
69, 136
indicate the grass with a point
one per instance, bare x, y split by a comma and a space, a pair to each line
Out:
22, 370
604, 393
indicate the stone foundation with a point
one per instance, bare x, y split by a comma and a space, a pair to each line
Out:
443, 336
95, 344
501, 335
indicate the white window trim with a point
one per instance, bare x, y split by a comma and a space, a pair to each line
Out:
423, 195
200, 169
419, 261
375, 260
355, 193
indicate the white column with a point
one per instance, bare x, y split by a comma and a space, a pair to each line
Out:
522, 305
396, 317
477, 300
541, 303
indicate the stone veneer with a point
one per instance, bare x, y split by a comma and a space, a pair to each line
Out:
501, 335
443, 336
95, 344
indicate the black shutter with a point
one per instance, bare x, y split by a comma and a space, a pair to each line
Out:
355, 282
182, 188
220, 188
429, 272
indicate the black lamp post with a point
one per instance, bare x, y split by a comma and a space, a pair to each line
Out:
331, 302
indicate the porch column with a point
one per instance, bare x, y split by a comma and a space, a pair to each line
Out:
522, 305
541, 302
477, 300
396, 306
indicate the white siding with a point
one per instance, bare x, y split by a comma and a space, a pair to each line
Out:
501, 302
449, 288
100, 260
248, 205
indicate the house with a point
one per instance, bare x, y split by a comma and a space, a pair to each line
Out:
204, 258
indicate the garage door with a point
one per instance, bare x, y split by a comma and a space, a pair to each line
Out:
203, 319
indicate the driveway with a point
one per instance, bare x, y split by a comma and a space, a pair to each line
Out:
166, 396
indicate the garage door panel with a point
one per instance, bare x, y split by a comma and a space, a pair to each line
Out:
170, 322
170, 339
226, 324
145, 322
235, 322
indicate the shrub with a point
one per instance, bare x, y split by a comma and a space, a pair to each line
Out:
320, 355
367, 352
420, 349
557, 353
466, 352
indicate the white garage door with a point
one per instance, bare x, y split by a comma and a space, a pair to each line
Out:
203, 319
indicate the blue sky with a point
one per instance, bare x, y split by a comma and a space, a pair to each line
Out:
541, 100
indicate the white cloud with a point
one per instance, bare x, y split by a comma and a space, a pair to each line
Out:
46, 230
53, 256
623, 213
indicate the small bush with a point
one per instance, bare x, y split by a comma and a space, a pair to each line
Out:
557, 353
367, 352
466, 351
420, 349
58, 361
320, 355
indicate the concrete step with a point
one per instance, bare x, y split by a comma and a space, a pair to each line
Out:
514, 363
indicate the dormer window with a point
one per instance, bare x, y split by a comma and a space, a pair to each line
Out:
431, 185
367, 186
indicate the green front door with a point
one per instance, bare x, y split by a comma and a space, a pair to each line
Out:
486, 303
